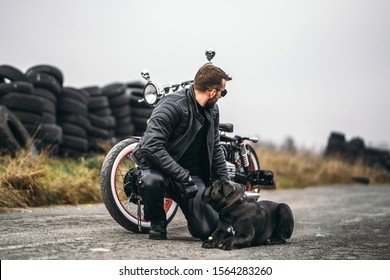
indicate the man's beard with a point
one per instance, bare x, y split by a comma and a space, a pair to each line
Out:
211, 102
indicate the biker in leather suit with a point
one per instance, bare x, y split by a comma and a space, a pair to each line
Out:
180, 154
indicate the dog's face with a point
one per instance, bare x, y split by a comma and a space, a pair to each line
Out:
221, 193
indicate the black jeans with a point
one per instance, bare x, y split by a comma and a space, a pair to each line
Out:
201, 218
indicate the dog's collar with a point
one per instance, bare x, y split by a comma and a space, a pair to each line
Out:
225, 219
232, 205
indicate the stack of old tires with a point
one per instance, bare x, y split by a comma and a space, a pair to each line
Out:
102, 123
355, 149
118, 99
336, 144
140, 111
73, 119
20, 95
47, 81
64, 120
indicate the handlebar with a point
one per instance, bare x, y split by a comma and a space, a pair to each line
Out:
152, 93
175, 86
238, 139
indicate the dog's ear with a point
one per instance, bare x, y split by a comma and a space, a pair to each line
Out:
228, 188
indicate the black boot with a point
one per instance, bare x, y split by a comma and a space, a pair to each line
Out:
158, 229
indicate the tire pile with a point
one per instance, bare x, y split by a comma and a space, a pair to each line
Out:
118, 104
73, 120
355, 149
37, 110
100, 122
140, 112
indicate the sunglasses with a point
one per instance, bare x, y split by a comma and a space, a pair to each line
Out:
223, 92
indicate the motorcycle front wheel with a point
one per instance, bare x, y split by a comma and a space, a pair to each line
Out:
124, 210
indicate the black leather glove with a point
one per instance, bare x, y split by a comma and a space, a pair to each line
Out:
189, 188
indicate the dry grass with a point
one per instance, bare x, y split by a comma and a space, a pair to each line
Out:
33, 181
27, 181
302, 169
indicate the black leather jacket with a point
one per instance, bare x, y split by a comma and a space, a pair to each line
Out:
172, 126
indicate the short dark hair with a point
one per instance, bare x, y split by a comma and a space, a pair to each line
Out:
209, 76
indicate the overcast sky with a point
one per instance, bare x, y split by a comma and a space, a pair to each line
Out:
300, 68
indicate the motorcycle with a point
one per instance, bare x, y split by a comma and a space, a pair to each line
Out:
119, 177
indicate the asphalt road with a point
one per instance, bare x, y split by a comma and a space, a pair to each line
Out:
331, 223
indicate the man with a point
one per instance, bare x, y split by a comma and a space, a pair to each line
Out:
180, 153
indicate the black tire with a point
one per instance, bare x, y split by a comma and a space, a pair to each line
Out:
73, 130
102, 122
49, 118
49, 133
254, 164
69, 105
361, 180
104, 112
111, 121
354, 149
98, 133
10, 73
50, 107
336, 144
119, 100
121, 112
19, 87
114, 168
73, 93
98, 102
113, 90
126, 121
13, 135
124, 131
137, 84
49, 70
74, 142
28, 117
141, 112
46, 94
23, 102
81, 120
34, 118
93, 90
45, 81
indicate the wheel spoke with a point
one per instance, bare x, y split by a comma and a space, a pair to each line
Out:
121, 189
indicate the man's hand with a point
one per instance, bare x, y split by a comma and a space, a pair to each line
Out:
189, 188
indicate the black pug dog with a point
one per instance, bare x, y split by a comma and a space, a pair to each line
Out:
243, 221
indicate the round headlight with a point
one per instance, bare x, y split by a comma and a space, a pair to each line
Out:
150, 94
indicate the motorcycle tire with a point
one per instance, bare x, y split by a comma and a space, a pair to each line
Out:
254, 163
115, 166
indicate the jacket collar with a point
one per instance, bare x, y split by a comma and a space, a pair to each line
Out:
191, 94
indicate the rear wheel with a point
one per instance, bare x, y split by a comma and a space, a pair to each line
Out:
254, 165
122, 201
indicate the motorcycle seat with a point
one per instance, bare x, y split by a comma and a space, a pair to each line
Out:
226, 127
